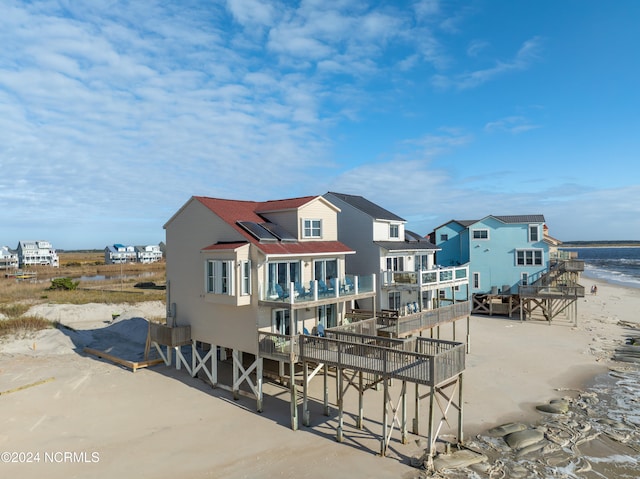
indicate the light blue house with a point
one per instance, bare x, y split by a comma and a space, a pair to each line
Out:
503, 252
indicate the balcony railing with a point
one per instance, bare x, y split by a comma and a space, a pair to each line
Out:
294, 293
431, 277
569, 291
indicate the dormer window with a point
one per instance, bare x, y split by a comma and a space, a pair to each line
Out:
312, 229
394, 231
533, 233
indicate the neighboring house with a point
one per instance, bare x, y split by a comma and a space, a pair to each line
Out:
37, 253
503, 252
8, 258
119, 253
148, 254
409, 280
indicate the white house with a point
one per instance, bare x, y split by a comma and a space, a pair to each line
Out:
404, 261
8, 258
33, 253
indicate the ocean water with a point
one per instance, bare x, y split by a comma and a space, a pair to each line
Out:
616, 265
600, 435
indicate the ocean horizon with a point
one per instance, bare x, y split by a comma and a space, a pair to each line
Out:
614, 264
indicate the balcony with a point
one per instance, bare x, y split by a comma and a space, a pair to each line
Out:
427, 279
322, 292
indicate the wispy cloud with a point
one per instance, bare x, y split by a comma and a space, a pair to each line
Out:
526, 55
511, 124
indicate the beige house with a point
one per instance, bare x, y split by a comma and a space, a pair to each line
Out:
248, 277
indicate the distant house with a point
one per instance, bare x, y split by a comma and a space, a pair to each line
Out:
119, 253
502, 251
37, 253
404, 261
8, 258
511, 266
148, 254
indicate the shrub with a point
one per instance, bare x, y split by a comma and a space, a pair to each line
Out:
66, 284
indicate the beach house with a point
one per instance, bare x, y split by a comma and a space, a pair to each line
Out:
509, 263
37, 253
410, 281
248, 277
265, 288
8, 258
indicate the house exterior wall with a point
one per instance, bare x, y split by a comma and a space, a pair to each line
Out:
292, 220
381, 231
493, 260
455, 249
214, 322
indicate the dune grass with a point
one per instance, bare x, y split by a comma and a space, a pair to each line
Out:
23, 325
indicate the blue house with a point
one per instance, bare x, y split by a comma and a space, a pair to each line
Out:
503, 252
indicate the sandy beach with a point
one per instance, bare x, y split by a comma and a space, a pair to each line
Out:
84, 416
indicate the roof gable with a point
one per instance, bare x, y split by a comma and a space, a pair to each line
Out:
368, 207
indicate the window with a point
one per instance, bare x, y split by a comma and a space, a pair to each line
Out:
327, 315
476, 280
394, 231
325, 270
282, 274
220, 277
395, 263
529, 257
421, 262
524, 279
394, 300
533, 233
246, 277
480, 234
281, 321
444, 237
312, 229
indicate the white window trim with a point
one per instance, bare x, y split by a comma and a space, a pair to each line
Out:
397, 230
311, 228
245, 281
473, 237
533, 250
216, 287
537, 227
524, 279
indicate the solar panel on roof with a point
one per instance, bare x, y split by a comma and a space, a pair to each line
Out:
278, 231
257, 231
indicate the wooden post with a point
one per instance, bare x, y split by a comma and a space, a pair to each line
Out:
432, 441
360, 401
326, 390
468, 334
294, 397
259, 384
306, 419
460, 407
385, 419
234, 360
214, 365
416, 418
339, 437
404, 412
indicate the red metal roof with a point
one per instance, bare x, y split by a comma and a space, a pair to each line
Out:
232, 211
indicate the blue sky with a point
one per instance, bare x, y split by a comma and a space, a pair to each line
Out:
113, 114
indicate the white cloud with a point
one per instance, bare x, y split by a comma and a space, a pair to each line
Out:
526, 55
511, 124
